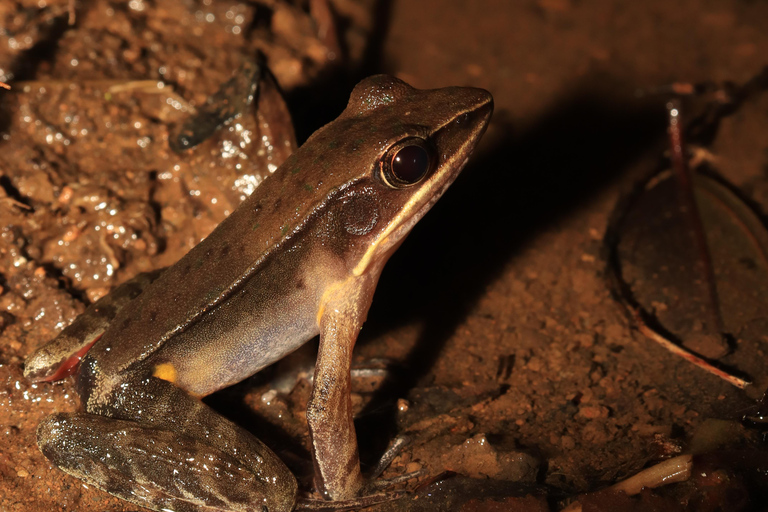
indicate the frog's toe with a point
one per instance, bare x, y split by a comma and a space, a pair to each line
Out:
352, 504
397, 446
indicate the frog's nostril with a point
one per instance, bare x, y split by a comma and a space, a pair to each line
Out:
462, 119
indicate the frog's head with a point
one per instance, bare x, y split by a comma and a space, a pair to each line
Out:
396, 149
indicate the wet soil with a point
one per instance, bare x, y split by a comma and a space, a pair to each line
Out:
510, 363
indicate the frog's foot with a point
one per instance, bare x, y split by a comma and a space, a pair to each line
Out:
375, 491
353, 504
377, 486
397, 446
180, 456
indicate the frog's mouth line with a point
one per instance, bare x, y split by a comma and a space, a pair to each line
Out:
468, 125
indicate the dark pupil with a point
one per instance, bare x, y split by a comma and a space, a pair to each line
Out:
410, 164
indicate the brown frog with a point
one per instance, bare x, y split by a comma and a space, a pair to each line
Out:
300, 257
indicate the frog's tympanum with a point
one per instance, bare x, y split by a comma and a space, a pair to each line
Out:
300, 257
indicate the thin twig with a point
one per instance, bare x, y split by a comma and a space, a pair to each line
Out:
686, 354
692, 214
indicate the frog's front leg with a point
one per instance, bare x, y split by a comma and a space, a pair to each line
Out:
148, 442
329, 414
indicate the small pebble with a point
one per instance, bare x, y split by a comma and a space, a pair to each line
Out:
412, 467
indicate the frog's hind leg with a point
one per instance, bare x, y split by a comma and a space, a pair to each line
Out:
156, 446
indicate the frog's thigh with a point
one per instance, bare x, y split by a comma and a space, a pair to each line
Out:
163, 449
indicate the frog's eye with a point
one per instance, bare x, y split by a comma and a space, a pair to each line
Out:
407, 162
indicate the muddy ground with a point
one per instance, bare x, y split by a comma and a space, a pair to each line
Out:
511, 364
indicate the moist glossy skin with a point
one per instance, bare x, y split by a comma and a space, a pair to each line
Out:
300, 257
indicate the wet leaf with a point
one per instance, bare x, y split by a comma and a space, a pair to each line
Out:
233, 100
689, 260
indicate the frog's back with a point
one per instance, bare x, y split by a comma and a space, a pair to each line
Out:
380, 110
209, 274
